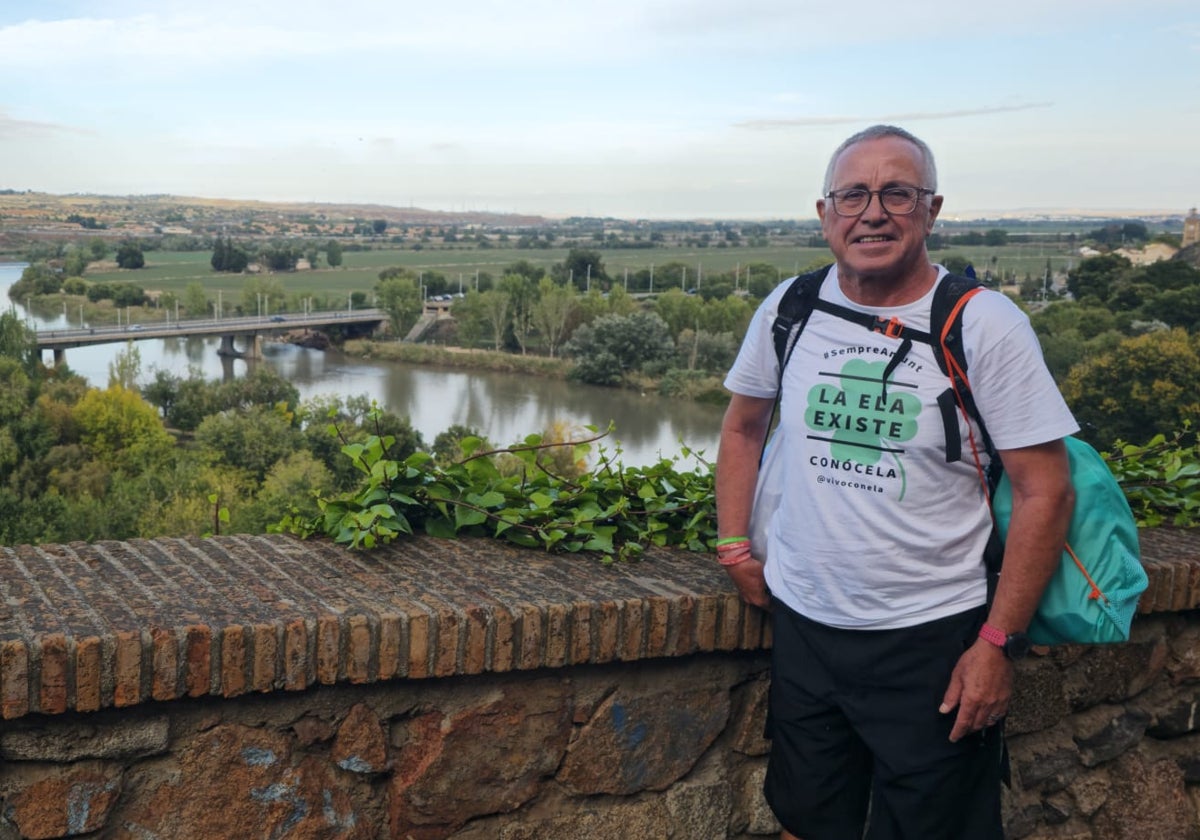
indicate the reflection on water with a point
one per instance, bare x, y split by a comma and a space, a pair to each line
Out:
505, 407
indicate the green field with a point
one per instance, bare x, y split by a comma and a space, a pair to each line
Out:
173, 271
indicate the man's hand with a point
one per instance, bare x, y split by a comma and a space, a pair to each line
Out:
748, 577
980, 688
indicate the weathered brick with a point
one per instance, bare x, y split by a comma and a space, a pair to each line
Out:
418, 645
358, 650
658, 626
475, 652
198, 670
328, 646
390, 664
165, 663
446, 657
265, 658
529, 637
233, 661
89, 668
127, 669
557, 619
1181, 593
14, 679
608, 630
580, 633
729, 622
296, 671
684, 628
503, 640
633, 629
706, 622
52, 691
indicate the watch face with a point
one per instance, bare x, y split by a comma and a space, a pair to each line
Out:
1017, 646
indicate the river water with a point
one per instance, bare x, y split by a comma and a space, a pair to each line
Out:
504, 407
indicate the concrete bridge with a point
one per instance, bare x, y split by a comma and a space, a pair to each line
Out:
247, 330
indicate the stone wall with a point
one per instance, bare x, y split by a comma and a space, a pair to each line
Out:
248, 687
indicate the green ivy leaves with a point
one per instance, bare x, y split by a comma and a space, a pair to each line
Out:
613, 510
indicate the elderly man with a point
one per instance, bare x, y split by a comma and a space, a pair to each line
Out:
891, 668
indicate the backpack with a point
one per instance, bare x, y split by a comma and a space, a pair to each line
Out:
1093, 594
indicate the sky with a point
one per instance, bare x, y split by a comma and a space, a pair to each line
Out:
648, 109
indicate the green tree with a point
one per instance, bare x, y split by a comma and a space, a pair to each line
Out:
379, 226
1095, 276
121, 429
254, 439
129, 255
333, 253
615, 345
494, 305
1146, 386
552, 313
522, 299
398, 294
195, 301
125, 368
581, 265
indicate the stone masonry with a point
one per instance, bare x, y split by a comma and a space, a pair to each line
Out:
249, 687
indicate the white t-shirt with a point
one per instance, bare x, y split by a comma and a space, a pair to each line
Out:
876, 530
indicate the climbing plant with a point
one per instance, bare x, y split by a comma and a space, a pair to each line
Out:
612, 509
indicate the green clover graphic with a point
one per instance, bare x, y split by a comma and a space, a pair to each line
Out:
860, 420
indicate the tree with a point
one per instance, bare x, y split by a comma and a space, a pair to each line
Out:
195, 301
379, 226
1145, 387
615, 345
553, 312
1095, 276
129, 255
333, 253
399, 296
494, 304
125, 368
121, 429
229, 256
522, 297
253, 440
583, 264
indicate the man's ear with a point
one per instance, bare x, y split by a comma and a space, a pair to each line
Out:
935, 207
821, 209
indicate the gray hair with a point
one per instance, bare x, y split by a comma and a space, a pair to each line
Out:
878, 132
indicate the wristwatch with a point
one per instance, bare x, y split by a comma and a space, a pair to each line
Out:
1015, 645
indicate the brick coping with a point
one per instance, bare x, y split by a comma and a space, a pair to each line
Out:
113, 624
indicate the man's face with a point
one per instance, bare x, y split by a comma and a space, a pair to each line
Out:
875, 243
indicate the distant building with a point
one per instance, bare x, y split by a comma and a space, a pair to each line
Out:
1152, 253
1191, 229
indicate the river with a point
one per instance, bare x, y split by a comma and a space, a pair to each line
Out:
505, 407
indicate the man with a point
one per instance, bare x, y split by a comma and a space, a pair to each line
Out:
891, 672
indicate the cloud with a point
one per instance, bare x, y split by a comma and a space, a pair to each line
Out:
916, 116
11, 127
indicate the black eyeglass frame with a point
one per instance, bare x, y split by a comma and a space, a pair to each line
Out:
919, 192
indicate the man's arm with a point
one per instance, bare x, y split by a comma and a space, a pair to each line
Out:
742, 434
1043, 499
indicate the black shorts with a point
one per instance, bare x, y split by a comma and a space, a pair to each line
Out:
855, 728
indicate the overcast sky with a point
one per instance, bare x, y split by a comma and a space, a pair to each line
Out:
628, 108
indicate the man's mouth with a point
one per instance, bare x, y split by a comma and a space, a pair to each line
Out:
871, 239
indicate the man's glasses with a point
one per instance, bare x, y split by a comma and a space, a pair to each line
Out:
899, 201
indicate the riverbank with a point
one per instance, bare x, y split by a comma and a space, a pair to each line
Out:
676, 384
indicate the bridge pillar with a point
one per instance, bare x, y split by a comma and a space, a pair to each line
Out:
252, 342
60, 356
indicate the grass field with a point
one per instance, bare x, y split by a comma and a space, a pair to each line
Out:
173, 271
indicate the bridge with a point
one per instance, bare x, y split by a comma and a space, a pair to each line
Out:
249, 329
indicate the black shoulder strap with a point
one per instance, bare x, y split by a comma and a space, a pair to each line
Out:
794, 308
